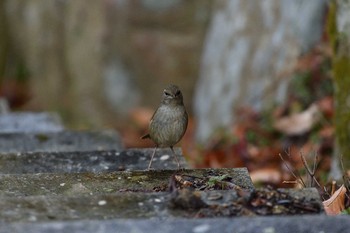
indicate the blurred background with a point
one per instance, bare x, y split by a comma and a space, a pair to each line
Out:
256, 75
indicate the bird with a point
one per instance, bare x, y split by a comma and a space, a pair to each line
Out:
169, 122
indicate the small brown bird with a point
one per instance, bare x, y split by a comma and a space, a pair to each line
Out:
169, 122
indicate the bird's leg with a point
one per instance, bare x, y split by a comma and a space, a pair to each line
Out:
175, 156
150, 162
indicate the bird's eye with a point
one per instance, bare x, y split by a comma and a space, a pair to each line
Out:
166, 93
177, 93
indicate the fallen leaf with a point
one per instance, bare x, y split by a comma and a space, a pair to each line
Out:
298, 123
266, 175
335, 204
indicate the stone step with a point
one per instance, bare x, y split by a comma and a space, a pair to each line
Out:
30, 122
88, 161
111, 206
15, 185
59, 141
280, 224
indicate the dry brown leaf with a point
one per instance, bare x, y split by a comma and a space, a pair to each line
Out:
298, 123
335, 204
270, 175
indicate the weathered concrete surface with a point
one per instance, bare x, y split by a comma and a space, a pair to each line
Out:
111, 206
118, 205
290, 224
308, 193
13, 185
30, 122
46, 208
88, 161
60, 141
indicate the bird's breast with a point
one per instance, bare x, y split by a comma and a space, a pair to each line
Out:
168, 125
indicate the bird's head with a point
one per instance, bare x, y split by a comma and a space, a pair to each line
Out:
172, 95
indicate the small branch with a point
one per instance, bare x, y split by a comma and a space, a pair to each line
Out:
311, 174
315, 162
346, 179
313, 179
333, 187
291, 171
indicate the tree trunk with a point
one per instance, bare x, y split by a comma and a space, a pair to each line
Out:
339, 34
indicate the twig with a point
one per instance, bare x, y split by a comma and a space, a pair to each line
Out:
318, 184
346, 179
345, 176
291, 171
333, 187
315, 165
313, 179
311, 174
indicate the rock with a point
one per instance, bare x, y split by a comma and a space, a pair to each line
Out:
19, 185
88, 161
286, 224
63, 141
130, 205
25, 122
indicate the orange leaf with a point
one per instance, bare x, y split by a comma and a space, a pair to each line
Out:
335, 204
270, 175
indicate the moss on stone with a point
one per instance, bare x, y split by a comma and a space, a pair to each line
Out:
341, 71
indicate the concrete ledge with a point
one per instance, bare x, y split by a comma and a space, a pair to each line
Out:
129, 205
19, 185
88, 161
30, 122
282, 224
63, 141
